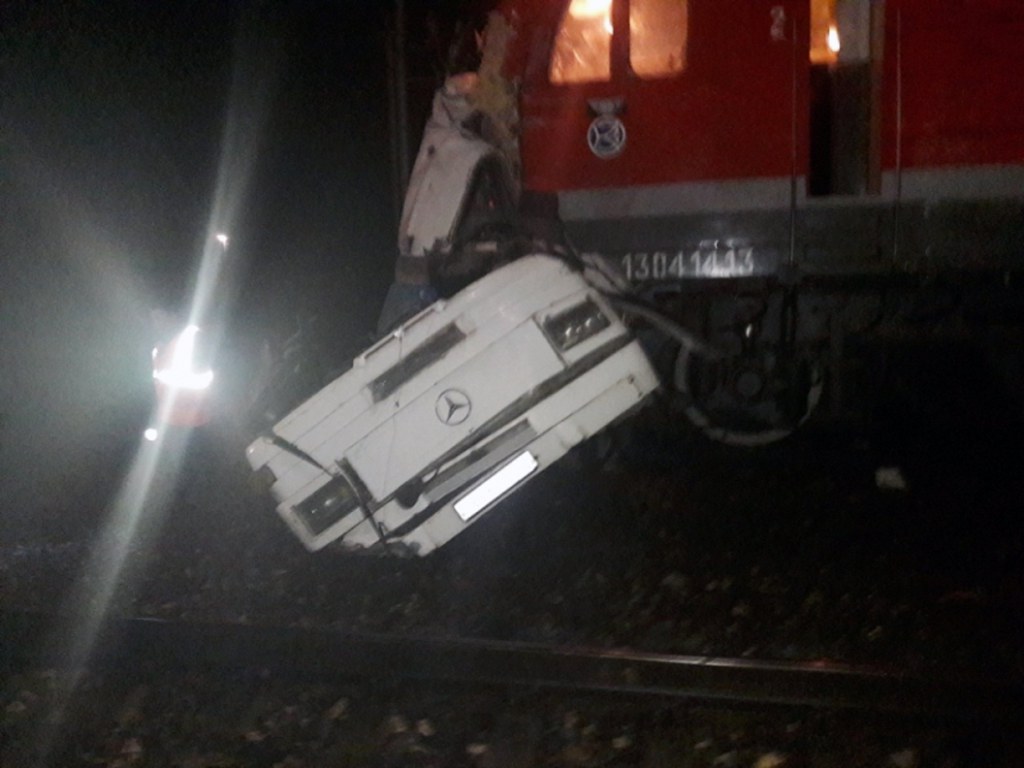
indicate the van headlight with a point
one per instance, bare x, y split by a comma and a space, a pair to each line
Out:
180, 365
575, 325
327, 506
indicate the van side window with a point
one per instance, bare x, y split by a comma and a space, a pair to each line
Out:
657, 37
582, 51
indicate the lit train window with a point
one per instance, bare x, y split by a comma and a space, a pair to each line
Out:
844, 91
840, 31
825, 42
583, 46
657, 37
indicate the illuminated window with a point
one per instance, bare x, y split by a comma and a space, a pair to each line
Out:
583, 47
825, 42
657, 37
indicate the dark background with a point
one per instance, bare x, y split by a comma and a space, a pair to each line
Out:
131, 132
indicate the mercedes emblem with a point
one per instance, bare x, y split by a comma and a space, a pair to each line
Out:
452, 407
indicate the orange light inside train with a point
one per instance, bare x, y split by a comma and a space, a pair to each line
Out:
590, 9
583, 45
824, 32
833, 39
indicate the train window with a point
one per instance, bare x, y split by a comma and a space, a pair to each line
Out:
840, 31
825, 40
844, 95
657, 37
583, 49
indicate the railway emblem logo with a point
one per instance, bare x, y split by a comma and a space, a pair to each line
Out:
453, 407
606, 136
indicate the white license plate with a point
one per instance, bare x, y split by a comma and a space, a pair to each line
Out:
506, 478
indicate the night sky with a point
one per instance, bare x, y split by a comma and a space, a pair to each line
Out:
130, 131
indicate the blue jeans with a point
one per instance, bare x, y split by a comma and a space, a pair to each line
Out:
402, 302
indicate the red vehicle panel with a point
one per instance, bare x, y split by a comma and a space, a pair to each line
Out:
728, 114
945, 80
961, 92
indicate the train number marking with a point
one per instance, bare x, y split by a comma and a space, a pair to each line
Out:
702, 262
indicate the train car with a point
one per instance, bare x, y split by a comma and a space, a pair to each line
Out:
781, 176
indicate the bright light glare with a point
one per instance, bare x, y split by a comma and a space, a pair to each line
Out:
494, 486
833, 38
151, 434
134, 517
222, 239
181, 374
591, 9
118, 553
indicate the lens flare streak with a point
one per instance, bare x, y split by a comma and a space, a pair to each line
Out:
135, 514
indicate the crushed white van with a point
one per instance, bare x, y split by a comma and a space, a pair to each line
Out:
453, 411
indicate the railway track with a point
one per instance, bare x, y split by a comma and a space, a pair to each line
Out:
39, 641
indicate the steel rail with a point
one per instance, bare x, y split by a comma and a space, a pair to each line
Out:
30, 639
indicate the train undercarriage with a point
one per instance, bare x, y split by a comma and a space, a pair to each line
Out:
827, 348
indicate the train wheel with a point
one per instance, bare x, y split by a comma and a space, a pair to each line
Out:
748, 400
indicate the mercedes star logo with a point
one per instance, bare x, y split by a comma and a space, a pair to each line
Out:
453, 407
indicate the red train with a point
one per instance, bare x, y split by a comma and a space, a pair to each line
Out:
785, 177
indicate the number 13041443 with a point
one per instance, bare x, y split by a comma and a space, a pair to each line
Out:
700, 262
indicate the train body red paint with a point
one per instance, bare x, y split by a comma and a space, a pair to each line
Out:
948, 73
781, 174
